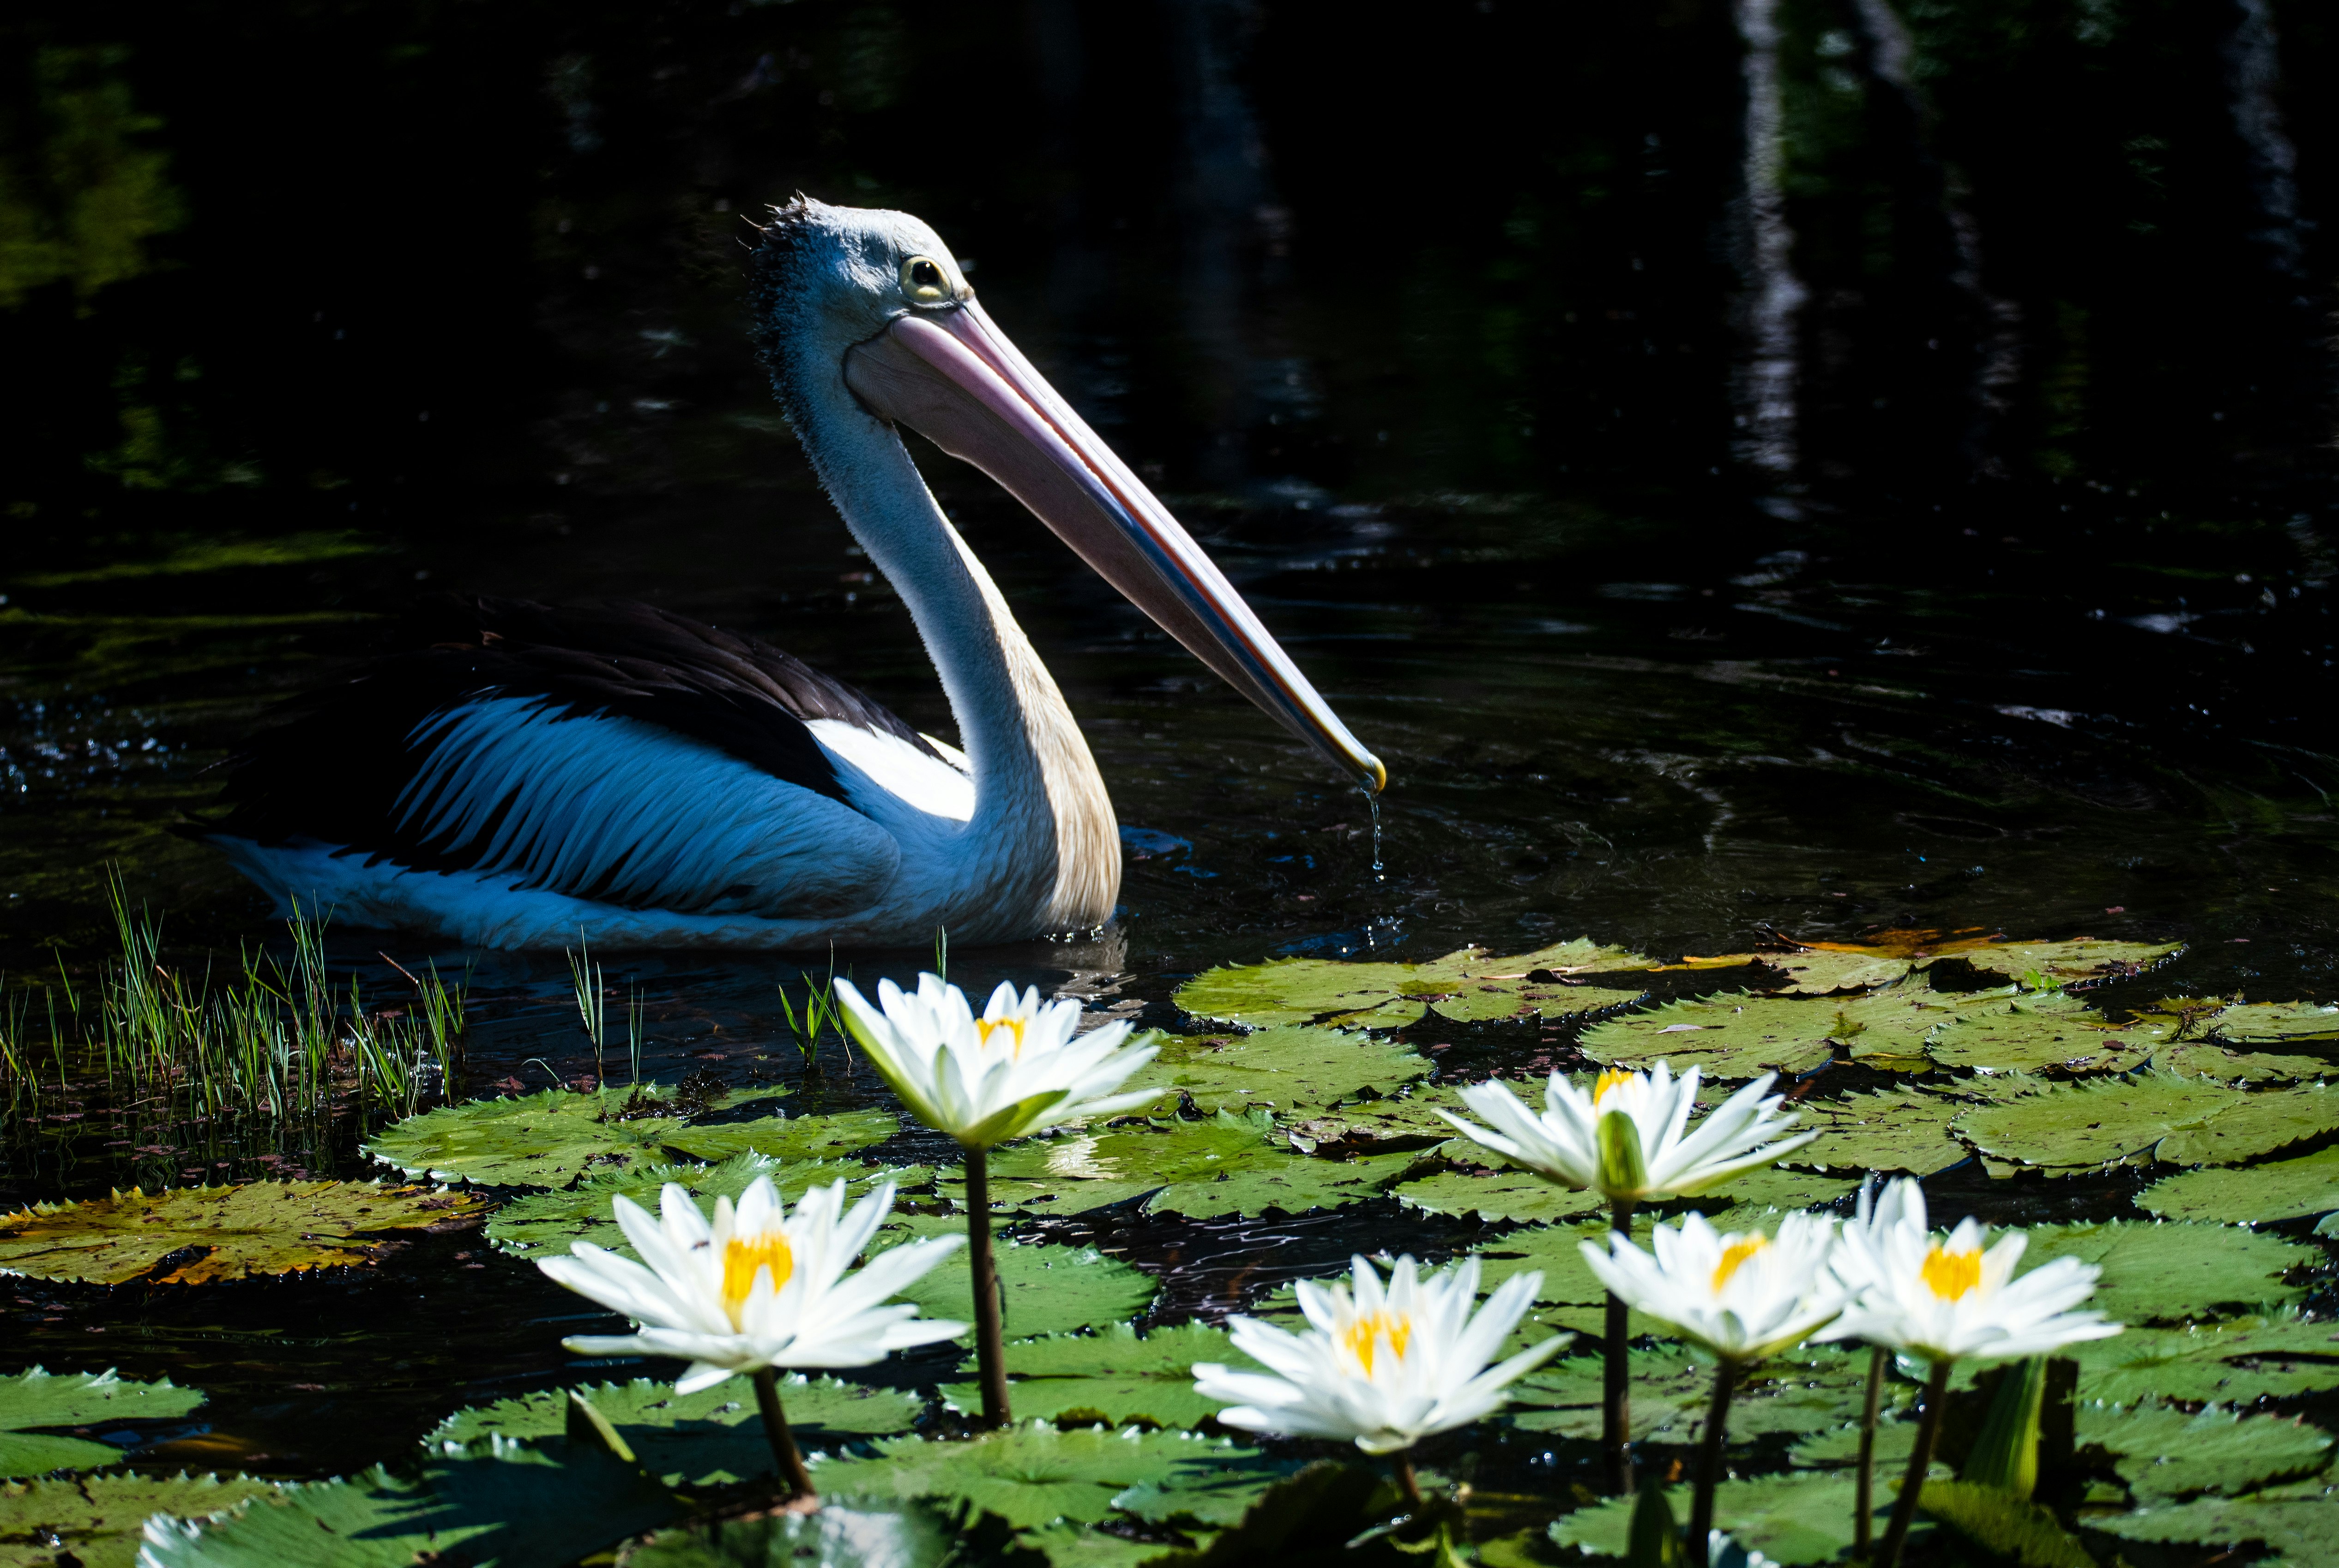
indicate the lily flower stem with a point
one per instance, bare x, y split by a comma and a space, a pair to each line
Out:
1406, 1482
1708, 1460
1863, 1495
793, 1474
1920, 1457
1616, 1402
990, 1360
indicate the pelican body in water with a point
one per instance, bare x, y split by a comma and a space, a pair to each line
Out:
649, 781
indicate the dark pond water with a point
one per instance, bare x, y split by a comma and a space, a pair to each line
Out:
1796, 470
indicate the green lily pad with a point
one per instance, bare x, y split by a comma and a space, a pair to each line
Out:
190, 1236
696, 1440
2255, 1124
545, 1140
1283, 1068
1497, 1197
2083, 961
2252, 1195
1904, 1129
1217, 1498
908, 1536
2200, 1059
1044, 1289
2293, 1522
2277, 1022
2094, 1123
36, 1399
2165, 1453
2155, 1271
1829, 967
787, 1137
2236, 1362
1727, 1037
550, 1222
1032, 1475
2026, 1032
1745, 1198
1804, 1516
1113, 1376
1226, 1164
1467, 986
1407, 1119
97, 1519
1563, 1397
497, 1504
1819, 972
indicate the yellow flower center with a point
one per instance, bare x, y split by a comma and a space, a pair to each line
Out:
743, 1256
1736, 1253
1949, 1275
1610, 1077
1369, 1328
990, 1029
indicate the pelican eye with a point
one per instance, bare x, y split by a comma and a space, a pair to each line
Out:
924, 281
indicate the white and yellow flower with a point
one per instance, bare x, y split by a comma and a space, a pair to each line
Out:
1629, 1139
1019, 1068
757, 1288
1380, 1367
1948, 1298
1744, 1296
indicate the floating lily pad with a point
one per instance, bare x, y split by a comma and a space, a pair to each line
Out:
2200, 1059
549, 1222
1288, 1069
36, 1399
2255, 1124
2277, 1022
190, 1236
1823, 967
2030, 1031
1892, 1130
1113, 1377
1402, 1121
544, 1140
1031, 1476
2164, 1453
509, 1505
703, 1439
1746, 1198
2096, 1122
2292, 1522
97, 1519
787, 1137
2158, 1272
1469, 985
2284, 1190
1224, 1164
1726, 1037
1804, 1516
1497, 1197
908, 1536
2237, 1362
1044, 1289
1563, 1397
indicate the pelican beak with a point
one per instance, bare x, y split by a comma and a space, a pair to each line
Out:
955, 377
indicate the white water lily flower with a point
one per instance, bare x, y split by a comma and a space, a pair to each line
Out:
1381, 1367
1744, 1296
1947, 1299
1625, 1139
1722, 1552
759, 1287
1019, 1068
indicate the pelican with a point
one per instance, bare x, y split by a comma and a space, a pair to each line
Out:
647, 781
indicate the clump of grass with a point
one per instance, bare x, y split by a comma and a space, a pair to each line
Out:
585, 975
819, 1012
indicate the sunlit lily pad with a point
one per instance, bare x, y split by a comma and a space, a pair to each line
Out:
550, 1221
701, 1439
86, 1399
1405, 1120
1113, 1376
1803, 1516
2237, 1362
790, 1137
1726, 1037
2202, 1060
2277, 1022
1292, 1070
1470, 985
2257, 1123
2163, 1453
2155, 1271
1029, 1475
95, 1519
2026, 1032
1892, 1130
536, 1504
190, 1236
2151, 1116
1224, 1164
2255, 1194
545, 1140
1044, 1289
2293, 1522
1497, 1197
1823, 967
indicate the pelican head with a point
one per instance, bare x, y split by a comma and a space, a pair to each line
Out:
868, 310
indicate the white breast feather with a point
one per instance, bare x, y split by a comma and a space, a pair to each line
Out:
913, 776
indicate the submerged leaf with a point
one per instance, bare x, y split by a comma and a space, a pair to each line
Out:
701, 1439
553, 1221
2164, 1453
193, 1235
36, 1399
1113, 1376
95, 1519
2255, 1194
